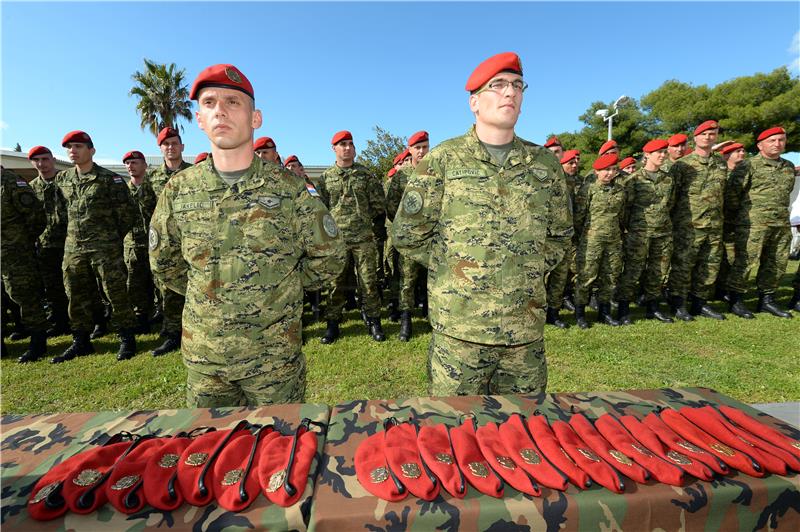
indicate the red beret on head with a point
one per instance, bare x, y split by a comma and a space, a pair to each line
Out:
262, 143
38, 150
291, 159
398, 158
166, 133
770, 132
224, 75
655, 145
626, 162
404, 154
604, 161
202, 156
609, 145
569, 155
731, 147
492, 66
76, 136
340, 136
133, 154
705, 126
391, 172
677, 139
419, 136
552, 141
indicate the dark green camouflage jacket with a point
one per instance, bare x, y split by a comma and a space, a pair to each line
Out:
758, 192
356, 201
159, 176
145, 198
651, 196
55, 207
699, 191
23, 217
600, 214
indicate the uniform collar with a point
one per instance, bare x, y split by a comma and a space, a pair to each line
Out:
253, 178
480, 152
771, 162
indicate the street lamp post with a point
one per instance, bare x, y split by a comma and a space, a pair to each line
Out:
603, 113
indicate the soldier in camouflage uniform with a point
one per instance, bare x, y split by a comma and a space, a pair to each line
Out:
488, 214
554, 145
170, 302
394, 192
757, 203
23, 220
140, 280
648, 242
697, 218
50, 250
677, 147
243, 238
100, 212
733, 153
599, 221
357, 203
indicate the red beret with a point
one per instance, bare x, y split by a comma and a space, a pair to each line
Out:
262, 143
770, 132
38, 150
489, 68
134, 154
391, 172
610, 145
227, 76
398, 158
419, 136
406, 153
604, 161
627, 161
655, 145
291, 159
77, 136
340, 136
731, 147
569, 155
552, 141
677, 139
705, 126
166, 133
202, 156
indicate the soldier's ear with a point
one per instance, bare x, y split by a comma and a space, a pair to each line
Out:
92, 150
257, 119
473, 103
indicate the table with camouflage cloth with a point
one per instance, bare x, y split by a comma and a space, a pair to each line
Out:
735, 502
32, 444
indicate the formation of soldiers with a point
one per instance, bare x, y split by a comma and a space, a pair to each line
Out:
504, 233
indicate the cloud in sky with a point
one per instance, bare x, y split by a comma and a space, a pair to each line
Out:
794, 49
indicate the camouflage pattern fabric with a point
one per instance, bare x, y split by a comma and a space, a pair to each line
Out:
409, 271
734, 502
559, 277
362, 257
140, 280
761, 249
647, 261
244, 254
55, 208
159, 176
33, 444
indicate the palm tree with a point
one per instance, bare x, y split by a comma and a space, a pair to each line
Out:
163, 96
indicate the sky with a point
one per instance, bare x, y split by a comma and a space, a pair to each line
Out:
320, 67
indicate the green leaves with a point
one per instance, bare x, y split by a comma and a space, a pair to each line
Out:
163, 96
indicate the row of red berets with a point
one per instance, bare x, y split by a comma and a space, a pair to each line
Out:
665, 446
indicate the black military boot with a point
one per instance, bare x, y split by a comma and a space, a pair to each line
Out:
623, 312
794, 303
678, 306
554, 319
376, 330
405, 326
37, 348
127, 345
699, 308
653, 313
568, 304
364, 317
394, 310
737, 307
580, 316
100, 330
767, 304
331, 333
604, 314
81, 345
172, 342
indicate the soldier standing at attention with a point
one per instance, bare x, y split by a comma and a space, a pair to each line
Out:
733, 153
51, 241
170, 302
757, 202
357, 204
266, 150
488, 214
243, 238
699, 180
676, 148
100, 212
391, 258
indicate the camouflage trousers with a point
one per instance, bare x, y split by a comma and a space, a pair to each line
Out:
458, 367
82, 271
410, 272
24, 286
646, 258
285, 382
140, 280
696, 256
728, 253
363, 257
762, 249
557, 278
392, 271
599, 265
50, 260
171, 304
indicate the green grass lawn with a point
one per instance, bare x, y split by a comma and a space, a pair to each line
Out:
753, 361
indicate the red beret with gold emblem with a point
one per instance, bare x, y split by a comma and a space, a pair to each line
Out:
552, 141
609, 145
223, 75
77, 136
506, 61
202, 156
655, 145
133, 154
166, 133
604, 161
419, 136
340, 136
705, 126
263, 143
38, 150
626, 162
731, 147
770, 132
677, 139
569, 155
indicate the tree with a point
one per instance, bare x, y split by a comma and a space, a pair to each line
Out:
163, 96
380, 151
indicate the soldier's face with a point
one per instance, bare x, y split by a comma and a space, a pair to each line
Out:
629, 169
570, 167
656, 158
268, 155
172, 148
557, 150
706, 139
345, 152
772, 147
735, 157
296, 168
228, 117
676, 152
418, 151
136, 168
79, 153
607, 175
498, 109
45, 164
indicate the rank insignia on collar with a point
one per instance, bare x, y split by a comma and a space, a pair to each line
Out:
43, 493
196, 459
506, 462
529, 456
378, 475
478, 469
410, 470
276, 481
87, 477
169, 460
232, 477
125, 482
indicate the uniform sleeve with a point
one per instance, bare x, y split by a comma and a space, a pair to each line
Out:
125, 211
324, 251
415, 224
166, 261
581, 208
393, 194
734, 189
149, 201
32, 209
323, 191
560, 223
678, 183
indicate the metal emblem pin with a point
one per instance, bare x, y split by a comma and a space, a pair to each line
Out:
506, 462
276, 481
444, 458
529, 456
745, 441
232, 477
478, 469
678, 458
795, 444
722, 449
410, 470
378, 475
196, 459
233, 75
87, 477
641, 450
589, 454
125, 482
621, 458
169, 460
690, 447
44, 492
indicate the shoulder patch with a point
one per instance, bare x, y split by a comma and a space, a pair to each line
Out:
312, 190
22, 183
153, 238
329, 225
412, 202
119, 180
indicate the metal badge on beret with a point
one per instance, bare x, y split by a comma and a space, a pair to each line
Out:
529, 456
44, 492
796, 444
621, 458
196, 459
232, 477
506, 462
233, 75
589, 454
444, 458
410, 470
745, 441
478, 469
125, 482
87, 477
690, 447
678, 458
378, 475
169, 460
722, 449
276, 481
641, 450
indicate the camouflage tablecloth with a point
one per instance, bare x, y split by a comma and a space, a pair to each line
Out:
32, 444
736, 502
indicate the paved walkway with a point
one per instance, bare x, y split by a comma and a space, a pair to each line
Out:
789, 412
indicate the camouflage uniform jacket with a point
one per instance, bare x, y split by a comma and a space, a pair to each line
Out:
651, 197
355, 199
55, 208
758, 192
488, 234
699, 191
394, 190
601, 211
160, 175
23, 218
242, 255
100, 210
145, 198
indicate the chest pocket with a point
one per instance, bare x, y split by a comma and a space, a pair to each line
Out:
196, 218
264, 223
470, 195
